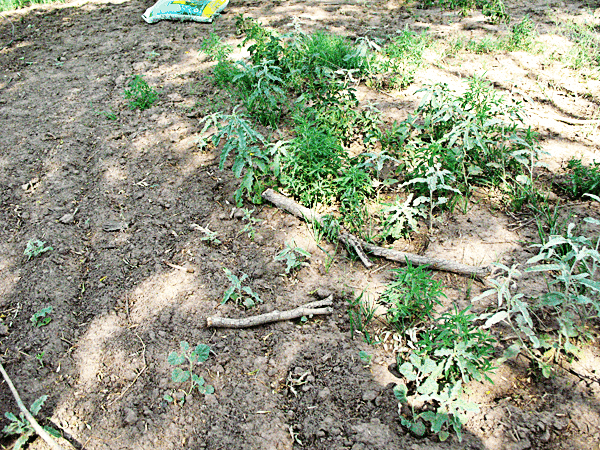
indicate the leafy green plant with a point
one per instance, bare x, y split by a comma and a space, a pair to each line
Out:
20, 425
400, 58
365, 358
449, 354
140, 95
312, 164
250, 222
254, 158
475, 136
569, 263
40, 358
411, 297
35, 248
400, 217
239, 293
293, 257
435, 180
214, 48
260, 87
361, 313
41, 317
522, 35
583, 179
189, 358
448, 411
210, 236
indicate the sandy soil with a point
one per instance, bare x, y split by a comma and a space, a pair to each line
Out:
136, 185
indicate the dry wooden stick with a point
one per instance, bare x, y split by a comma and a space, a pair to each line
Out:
289, 205
310, 309
35, 425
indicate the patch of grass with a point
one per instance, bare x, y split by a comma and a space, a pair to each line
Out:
411, 297
586, 51
522, 36
361, 314
140, 95
495, 10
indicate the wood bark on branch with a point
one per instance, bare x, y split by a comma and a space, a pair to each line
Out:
310, 309
289, 205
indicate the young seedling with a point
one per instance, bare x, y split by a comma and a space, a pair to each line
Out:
249, 227
41, 318
40, 358
21, 426
435, 179
189, 357
140, 95
293, 257
35, 248
365, 358
238, 293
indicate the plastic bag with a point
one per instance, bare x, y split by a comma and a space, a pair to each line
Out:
196, 10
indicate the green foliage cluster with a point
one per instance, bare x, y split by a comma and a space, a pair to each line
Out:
140, 95
41, 317
586, 50
9, 5
582, 179
569, 263
448, 351
20, 426
399, 60
411, 297
189, 357
293, 256
494, 9
449, 144
239, 293
455, 141
35, 248
522, 37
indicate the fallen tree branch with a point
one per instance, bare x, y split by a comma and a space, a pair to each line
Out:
310, 309
289, 205
34, 424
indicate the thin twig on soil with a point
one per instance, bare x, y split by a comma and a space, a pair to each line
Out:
320, 307
34, 424
175, 266
289, 205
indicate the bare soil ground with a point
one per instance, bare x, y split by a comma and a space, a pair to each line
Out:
137, 183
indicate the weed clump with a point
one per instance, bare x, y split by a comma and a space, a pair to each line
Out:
140, 95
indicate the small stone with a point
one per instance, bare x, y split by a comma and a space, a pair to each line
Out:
131, 416
324, 393
3, 329
323, 292
369, 395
